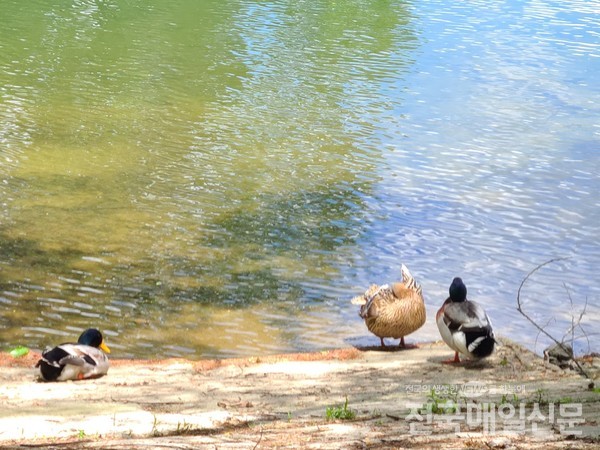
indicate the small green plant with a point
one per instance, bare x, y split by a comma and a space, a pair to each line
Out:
509, 400
539, 397
596, 390
81, 434
504, 362
183, 428
340, 412
486, 407
19, 351
446, 403
155, 431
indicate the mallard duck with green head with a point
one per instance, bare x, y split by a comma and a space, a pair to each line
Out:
464, 324
393, 310
85, 359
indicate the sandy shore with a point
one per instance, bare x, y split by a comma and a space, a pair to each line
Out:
512, 400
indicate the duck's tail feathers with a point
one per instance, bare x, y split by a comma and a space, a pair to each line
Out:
482, 346
409, 281
359, 300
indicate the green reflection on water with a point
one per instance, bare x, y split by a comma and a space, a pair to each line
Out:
166, 163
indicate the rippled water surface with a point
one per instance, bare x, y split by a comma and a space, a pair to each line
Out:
219, 178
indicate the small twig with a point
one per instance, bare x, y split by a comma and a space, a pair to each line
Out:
520, 307
551, 319
579, 322
572, 317
576, 323
259, 439
533, 322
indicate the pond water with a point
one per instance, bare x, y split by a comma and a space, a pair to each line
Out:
219, 178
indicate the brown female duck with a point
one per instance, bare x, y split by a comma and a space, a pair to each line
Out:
393, 310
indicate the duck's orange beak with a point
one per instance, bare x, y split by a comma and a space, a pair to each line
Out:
104, 347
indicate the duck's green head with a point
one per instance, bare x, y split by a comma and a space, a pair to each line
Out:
93, 338
458, 290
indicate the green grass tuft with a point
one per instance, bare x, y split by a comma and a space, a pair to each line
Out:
340, 412
447, 402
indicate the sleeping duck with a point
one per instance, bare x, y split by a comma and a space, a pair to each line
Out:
393, 310
76, 361
464, 325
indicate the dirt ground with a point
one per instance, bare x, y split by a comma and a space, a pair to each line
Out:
512, 400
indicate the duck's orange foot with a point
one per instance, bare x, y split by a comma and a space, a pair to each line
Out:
80, 376
452, 361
